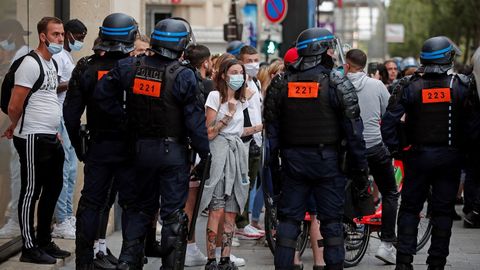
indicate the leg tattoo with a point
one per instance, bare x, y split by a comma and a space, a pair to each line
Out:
211, 237
227, 238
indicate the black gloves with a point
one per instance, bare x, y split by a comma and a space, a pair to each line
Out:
203, 168
361, 183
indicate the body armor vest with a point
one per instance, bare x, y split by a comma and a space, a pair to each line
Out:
98, 121
433, 117
307, 118
153, 111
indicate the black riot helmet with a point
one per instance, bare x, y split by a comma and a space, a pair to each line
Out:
234, 47
170, 38
438, 51
314, 41
118, 33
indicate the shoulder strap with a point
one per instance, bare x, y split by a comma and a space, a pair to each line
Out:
41, 77
35, 86
255, 80
171, 71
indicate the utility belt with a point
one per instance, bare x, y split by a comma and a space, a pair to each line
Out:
320, 147
106, 135
164, 139
422, 147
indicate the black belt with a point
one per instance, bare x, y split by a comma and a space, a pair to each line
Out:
164, 139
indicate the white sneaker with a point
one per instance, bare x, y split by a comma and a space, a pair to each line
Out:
10, 229
235, 242
195, 257
249, 233
73, 221
387, 253
63, 230
236, 260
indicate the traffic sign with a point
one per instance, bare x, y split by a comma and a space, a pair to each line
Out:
275, 10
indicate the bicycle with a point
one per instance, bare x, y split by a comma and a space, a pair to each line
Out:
358, 232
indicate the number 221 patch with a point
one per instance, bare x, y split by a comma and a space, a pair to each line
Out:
436, 95
146, 87
303, 89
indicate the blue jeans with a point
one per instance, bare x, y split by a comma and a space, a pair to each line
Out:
64, 207
257, 204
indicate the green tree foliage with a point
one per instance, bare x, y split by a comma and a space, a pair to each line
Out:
456, 19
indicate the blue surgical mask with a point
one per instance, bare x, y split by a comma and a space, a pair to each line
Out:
53, 48
7, 46
235, 81
76, 46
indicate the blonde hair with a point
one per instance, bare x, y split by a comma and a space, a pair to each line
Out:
264, 77
265, 74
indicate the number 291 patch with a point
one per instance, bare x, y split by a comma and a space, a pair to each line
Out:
303, 89
436, 95
146, 87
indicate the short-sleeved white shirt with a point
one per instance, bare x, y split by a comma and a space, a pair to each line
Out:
21, 52
65, 67
255, 110
42, 114
235, 126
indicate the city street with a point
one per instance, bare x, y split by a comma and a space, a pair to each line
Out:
464, 252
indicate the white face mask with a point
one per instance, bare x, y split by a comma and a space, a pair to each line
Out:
6, 45
76, 45
252, 69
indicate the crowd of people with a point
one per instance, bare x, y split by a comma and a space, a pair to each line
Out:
172, 129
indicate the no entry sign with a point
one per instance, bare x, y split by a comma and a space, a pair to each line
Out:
275, 10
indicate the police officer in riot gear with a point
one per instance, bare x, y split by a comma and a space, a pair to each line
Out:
307, 112
434, 104
106, 158
162, 109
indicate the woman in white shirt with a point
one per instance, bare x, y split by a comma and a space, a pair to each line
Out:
226, 190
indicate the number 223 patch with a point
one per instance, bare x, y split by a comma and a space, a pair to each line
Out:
146, 87
303, 89
436, 95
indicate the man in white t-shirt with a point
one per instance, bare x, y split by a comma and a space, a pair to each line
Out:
34, 131
251, 60
75, 32
13, 44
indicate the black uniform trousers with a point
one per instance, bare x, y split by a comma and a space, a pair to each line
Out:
435, 169
106, 161
308, 171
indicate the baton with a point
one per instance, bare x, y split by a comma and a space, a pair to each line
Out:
196, 209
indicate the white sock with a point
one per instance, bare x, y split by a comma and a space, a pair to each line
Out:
218, 251
102, 245
191, 247
95, 248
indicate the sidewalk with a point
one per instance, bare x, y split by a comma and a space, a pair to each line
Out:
464, 253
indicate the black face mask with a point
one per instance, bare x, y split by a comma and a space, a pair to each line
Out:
327, 61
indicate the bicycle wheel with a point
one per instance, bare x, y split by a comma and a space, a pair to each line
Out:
356, 243
271, 224
424, 228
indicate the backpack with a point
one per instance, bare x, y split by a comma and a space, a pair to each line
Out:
9, 82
